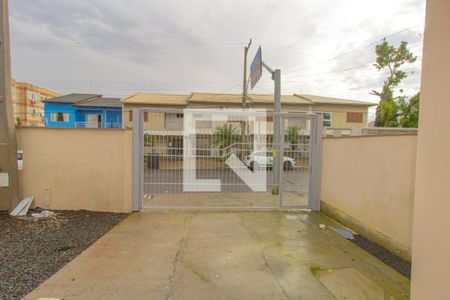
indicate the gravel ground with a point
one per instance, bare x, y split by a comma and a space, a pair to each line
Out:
392, 260
32, 251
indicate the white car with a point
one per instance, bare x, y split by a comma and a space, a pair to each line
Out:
264, 159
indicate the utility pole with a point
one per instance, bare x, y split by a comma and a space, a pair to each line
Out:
245, 100
244, 85
9, 194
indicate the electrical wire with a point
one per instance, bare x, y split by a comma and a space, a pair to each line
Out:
350, 51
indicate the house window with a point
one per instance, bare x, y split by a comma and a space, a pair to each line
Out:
354, 117
145, 116
33, 97
326, 119
179, 116
130, 116
60, 117
269, 119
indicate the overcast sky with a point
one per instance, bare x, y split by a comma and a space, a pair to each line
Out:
119, 47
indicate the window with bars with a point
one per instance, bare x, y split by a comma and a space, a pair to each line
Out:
326, 118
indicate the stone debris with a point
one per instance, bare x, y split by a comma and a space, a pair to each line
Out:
43, 214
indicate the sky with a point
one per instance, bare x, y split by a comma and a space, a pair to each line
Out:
120, 47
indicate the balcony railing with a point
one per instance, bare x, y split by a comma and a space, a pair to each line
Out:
98, 124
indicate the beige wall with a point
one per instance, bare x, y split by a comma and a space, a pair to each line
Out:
339, 120
431, 239
371, 179
80, 168
339, 114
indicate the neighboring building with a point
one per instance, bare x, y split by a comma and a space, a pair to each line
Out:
337, 113
28, 106
155, 120
167, 127
83, 111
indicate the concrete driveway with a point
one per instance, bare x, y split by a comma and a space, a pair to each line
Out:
224, 255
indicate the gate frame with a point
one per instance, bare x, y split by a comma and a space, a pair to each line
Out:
315, 157
314, 161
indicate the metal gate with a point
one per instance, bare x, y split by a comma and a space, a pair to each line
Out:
225, 159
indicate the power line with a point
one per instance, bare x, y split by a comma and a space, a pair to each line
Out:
351, 51
343, 70
337, 71
147, 46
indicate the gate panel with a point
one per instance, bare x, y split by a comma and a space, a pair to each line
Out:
295, 162
300, 185
162, 148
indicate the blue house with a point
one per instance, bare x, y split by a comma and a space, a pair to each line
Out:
83, 111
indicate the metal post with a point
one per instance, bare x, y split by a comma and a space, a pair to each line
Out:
315, 164
277, 153
9, 195
138, 160
276, 140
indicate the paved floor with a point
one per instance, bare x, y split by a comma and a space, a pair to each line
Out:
224, 255
226, 200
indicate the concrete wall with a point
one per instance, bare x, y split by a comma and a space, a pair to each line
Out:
368, 183
431, 242
76, 168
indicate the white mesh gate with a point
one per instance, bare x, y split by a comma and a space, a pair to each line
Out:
225, 159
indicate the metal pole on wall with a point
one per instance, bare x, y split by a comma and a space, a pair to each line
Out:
9, 191
277, 153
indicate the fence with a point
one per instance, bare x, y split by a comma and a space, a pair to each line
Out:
338, 132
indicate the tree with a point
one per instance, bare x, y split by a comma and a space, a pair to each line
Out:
225, 136
148, 140
390, 58
292, 136
409, 112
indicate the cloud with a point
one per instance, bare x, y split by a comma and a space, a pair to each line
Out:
120, 47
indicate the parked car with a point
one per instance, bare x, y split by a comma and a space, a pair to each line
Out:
264, 159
